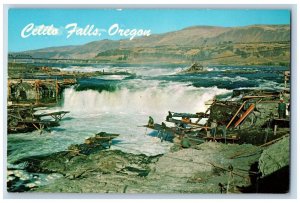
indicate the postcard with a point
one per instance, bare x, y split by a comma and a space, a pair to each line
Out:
148, 101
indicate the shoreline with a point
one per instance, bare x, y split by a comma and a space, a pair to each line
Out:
150, 63
206, 168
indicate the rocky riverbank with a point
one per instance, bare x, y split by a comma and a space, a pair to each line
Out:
205, 168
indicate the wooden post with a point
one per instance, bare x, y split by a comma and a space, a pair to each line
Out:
275, 129
56, 90
37, 91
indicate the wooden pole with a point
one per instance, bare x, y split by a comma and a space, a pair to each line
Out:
235, 114
56, 90
37, 94
244, 115
275, 129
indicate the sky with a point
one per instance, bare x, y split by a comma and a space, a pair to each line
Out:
156, 20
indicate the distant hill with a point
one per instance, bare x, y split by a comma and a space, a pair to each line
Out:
264, 43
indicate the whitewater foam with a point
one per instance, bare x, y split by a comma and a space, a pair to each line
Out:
121, 111
154, 97
84, 69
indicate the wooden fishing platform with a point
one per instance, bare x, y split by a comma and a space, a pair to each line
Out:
189, 115
40, 125
43, 81
175, 130
57, 116
189, 125
38, 90
159, 127
22, 119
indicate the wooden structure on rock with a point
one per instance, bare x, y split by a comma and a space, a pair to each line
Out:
249, 116
36, 90
23, 119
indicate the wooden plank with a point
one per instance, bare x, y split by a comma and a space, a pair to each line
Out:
188, 115
249, 110
172, 120
261, 96
52, 113
235, 114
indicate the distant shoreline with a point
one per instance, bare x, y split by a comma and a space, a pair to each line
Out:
152, 63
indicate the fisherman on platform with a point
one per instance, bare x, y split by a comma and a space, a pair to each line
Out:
213, 127
281, 109
163, 135
169, 116
224, 129
151, 122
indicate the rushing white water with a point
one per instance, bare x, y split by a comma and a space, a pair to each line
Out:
83, 69
140, 70
152, 100
122, 110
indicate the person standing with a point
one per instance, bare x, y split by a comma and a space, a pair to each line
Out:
150, 122
281, 109
213, 127
169, 116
